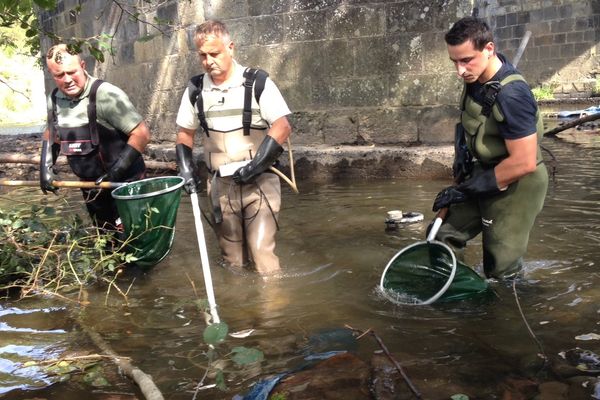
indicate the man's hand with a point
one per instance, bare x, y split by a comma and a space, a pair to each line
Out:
185, 164
118, 171
448, 196
47, 175
266, 155
481, 185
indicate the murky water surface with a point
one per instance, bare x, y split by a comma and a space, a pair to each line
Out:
334, 247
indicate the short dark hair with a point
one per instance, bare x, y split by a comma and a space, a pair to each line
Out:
470, 28
211, 27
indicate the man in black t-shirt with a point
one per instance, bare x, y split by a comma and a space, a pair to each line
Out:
500, 177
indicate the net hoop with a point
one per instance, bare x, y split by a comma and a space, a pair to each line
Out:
385, 292
169, 189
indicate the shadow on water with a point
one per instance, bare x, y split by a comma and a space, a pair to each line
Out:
333, 247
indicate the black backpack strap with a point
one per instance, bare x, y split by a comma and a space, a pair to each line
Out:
92, 115
251, 76
195, 93
491, 92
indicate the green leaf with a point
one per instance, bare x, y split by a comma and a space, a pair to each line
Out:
97, 53
47, 4
215, 333
244, 355
220, 381
459, 396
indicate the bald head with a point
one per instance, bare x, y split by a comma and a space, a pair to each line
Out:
67, 70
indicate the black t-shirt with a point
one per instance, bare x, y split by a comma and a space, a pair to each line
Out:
515, 100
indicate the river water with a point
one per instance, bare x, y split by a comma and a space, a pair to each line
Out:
333, 246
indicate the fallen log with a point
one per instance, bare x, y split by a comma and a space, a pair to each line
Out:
64, 184
575, 122
28, 159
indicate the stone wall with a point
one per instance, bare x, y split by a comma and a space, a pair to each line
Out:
563, 50
353, 71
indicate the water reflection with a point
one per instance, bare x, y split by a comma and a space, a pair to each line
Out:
333, 247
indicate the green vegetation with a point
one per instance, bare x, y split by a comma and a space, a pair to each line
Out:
596, 90
544, 92
23, 14
44, 253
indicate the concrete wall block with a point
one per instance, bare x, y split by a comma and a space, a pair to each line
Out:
498, 21
314, 5
389, 126
421, 90
563, 25
190, 13
550, 13
365, 51
341, 127
406, 52
574, 37
435, 58
413, 16
357, 92
307, 128
242, 31
306, 25
297, 94
565, 11
339, 58
224, 10
523, 17
583, 23
356, 21
436, 124
567, 51
268, 7
168, 12
268, 29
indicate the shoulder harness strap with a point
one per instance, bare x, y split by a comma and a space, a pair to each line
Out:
251, 76
195, 91
91, 111
493, 88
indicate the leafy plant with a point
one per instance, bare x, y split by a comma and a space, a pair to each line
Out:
222, 359
24, 14
544, 92
42, 252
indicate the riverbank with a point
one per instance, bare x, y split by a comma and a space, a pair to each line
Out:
320, 163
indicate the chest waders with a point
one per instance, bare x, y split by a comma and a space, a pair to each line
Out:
245, 215
91, 149
506, 219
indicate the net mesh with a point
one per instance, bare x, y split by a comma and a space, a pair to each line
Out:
420, 272
148, 209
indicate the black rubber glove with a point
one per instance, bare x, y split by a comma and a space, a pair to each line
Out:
118, 171
481, 185
267, 153
47, 174
448, 196
185, 163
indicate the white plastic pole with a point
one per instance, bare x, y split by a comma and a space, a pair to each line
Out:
210, 294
